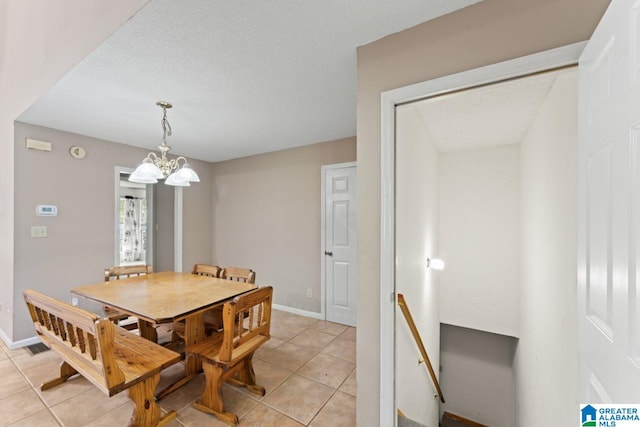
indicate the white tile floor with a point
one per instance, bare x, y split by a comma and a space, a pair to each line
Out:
307, 368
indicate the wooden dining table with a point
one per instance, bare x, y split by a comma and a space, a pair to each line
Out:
166, 297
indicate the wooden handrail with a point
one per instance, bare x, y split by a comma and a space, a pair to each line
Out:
416, 335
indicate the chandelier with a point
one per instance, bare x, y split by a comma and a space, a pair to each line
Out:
153, 167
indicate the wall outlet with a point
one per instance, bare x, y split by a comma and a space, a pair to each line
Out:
74, 302
309, 293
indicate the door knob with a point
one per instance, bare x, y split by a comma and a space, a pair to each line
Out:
328, 253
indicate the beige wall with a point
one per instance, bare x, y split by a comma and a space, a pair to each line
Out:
81, 238
197, 228
266, 216
196, 219
482, 34
164, 220
39, 43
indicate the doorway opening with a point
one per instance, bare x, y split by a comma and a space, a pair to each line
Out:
156, 211
134, 219
461, 201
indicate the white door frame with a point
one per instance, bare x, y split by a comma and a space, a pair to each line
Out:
323, 266
555, 58
177, 222
177, 228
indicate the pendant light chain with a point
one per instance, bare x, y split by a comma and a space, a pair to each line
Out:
166, 127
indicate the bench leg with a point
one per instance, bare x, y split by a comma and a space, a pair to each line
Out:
66, 372
211, 400
246, 377
146, 411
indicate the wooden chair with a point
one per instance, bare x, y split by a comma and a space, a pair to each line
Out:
116, 273
206, 270
228, 355
213, 317
107, 355
239, 274
201, 270
127, 271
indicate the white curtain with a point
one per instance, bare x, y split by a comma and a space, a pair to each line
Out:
132, 240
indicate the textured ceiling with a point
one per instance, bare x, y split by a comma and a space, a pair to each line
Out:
498, 114
244, 76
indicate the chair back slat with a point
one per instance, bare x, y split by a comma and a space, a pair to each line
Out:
124, 272
244, 318
206, 270
239, 274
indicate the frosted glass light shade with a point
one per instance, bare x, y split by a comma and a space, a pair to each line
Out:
185, 173
142, 180
146, 173
176, 181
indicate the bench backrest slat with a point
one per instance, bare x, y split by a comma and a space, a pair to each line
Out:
80, 337
245, 318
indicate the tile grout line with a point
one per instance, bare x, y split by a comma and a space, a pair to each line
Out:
322, 407
296, 372
313, 327
334, 390
292, 373
317, 352
32, 388
279, 385
334, 393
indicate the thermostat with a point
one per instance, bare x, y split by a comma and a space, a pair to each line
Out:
46, 210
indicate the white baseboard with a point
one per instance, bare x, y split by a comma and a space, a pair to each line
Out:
18, 344
298, 311
5, 338
25, 342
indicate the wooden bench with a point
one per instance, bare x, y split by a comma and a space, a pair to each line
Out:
112, 358
228, 355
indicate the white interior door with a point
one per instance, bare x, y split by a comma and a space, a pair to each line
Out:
609, 209
340, 246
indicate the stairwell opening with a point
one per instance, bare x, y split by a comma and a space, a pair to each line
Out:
471, 190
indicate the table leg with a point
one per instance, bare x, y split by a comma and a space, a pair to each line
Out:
147, 330
194, 332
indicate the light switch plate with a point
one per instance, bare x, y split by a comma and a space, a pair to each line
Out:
38, 231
